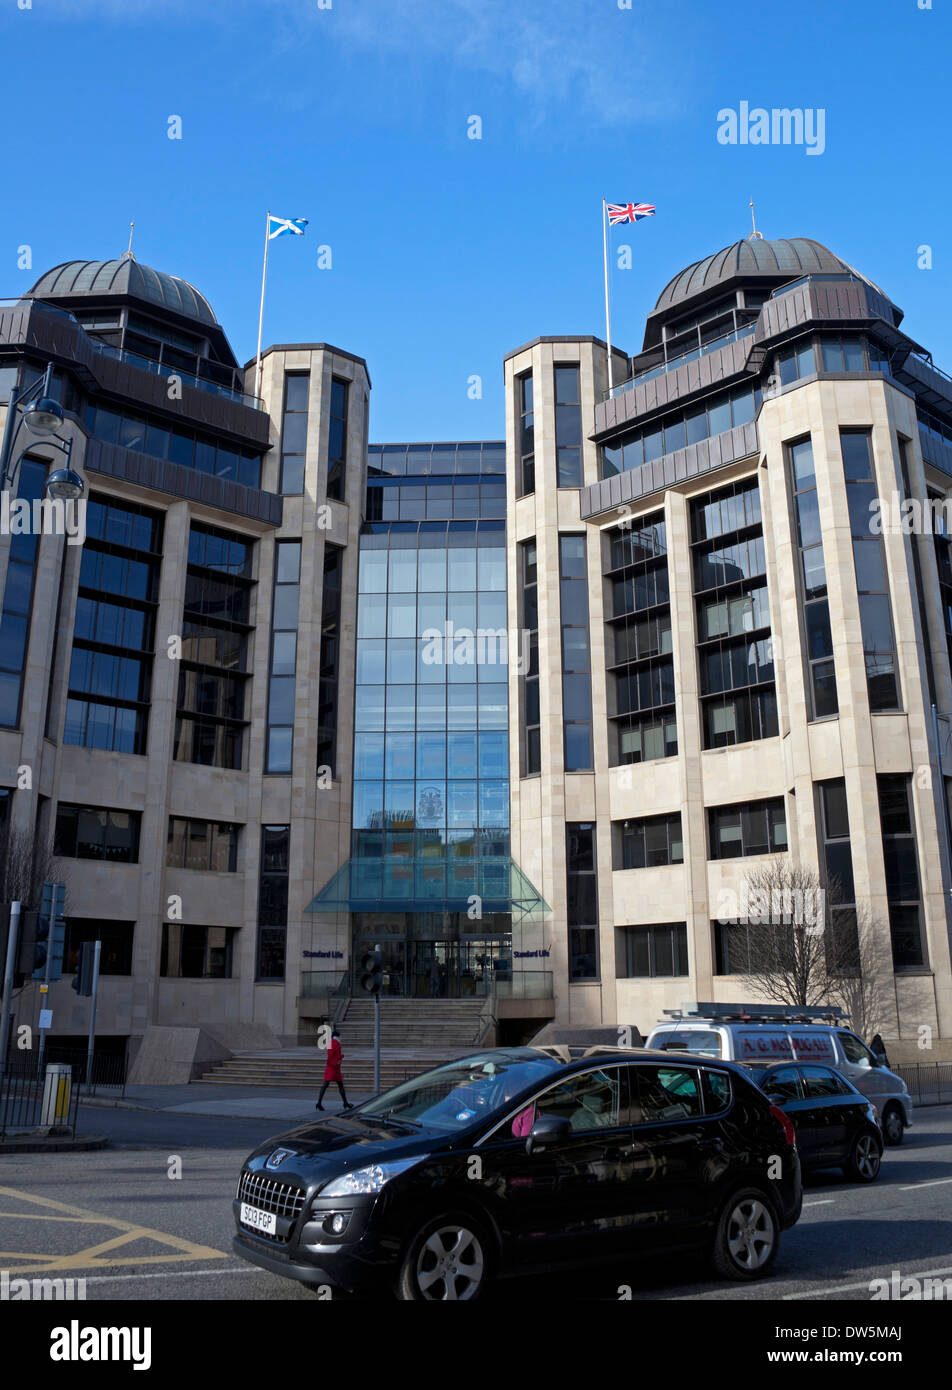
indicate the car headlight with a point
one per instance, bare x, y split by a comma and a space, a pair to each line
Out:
361, 1181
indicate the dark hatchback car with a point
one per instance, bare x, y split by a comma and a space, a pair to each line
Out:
837, 1126
523, 1159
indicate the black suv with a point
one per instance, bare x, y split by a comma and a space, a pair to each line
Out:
525, 1158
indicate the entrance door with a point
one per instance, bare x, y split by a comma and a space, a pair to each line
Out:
433, 969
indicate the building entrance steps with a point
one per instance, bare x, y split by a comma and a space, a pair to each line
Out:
416, 1034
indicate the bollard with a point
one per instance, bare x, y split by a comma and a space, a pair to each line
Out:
56, 1096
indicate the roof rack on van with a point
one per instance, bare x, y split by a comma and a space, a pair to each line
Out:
757, 1013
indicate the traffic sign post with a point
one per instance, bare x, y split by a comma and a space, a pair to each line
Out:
92, 1019
12, 940
51, 940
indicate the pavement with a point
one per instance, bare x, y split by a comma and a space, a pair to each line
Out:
228, 1102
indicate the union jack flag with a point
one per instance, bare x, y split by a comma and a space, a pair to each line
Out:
628, 212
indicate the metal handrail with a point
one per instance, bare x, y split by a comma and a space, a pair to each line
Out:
650, 373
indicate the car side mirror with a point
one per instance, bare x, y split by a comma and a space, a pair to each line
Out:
548, 1129
778, 1100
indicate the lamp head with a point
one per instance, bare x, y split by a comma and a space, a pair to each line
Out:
44, 416
64, 485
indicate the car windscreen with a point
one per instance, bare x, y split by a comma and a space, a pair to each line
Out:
702, 1040
459, 1094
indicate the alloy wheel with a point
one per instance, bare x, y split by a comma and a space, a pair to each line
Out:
892, 1127
450, 1265
750, 1234
867, 1156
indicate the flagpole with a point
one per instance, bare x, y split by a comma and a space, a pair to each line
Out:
264, 273
608, 318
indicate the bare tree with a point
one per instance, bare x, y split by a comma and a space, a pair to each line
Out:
802, 945
25, 865
861, 976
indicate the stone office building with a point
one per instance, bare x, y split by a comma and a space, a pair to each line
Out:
252, 766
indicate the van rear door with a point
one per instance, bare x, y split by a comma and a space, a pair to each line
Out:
761, 1045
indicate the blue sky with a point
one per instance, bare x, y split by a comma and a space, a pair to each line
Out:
448, 252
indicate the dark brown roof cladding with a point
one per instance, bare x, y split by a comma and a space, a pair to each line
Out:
94, 278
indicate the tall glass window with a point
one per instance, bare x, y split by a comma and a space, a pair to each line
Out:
529, 617
818, 636
582, 900
294, 432
641, 708
431, 788
330, 658
738, 696
337, 439
526, 428
284, 621
568, 426
576, 659
110, 674
210, 719
837, 860
273, 901
902, 870
869, 558
18, 598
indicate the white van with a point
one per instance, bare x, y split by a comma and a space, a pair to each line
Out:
759, 1035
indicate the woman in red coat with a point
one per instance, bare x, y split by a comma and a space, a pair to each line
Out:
332, 1071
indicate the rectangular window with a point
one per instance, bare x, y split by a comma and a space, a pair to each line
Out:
756, 827
96, 832
879, 645
531, 717
576, 665
657, 951
115, 957
729, 563
281, 683
568, 426
818, 644
638, 643
109, 687
337, 439
294, 432
273, 901
902, 870
211, 846
526, 427
196, 952
330, 657
582, 900
649, 842
210, 720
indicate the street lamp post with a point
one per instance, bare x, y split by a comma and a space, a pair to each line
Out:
43, 416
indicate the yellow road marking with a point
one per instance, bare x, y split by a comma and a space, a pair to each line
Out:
92, 1255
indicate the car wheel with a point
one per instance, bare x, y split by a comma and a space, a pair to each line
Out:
747, 1236
893, 1126
865, 1158
448, 1260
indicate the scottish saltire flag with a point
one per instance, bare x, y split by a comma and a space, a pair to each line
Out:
285, 226
628, 212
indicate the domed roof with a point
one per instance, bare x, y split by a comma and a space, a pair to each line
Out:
126, 276
777, 260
